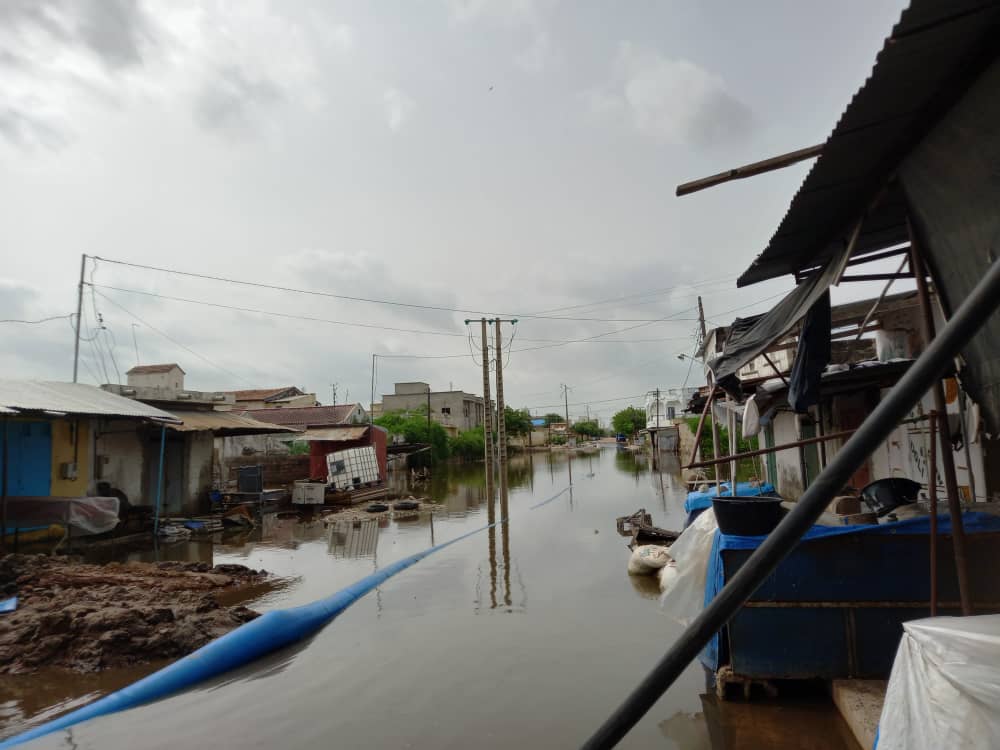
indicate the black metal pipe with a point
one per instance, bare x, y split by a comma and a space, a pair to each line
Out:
937, 357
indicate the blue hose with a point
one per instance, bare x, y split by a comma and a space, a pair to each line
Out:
269, 632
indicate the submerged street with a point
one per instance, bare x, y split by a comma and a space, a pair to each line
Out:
528, 636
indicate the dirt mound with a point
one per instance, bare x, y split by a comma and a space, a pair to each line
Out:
91, 617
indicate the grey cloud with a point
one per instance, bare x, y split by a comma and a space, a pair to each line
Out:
116, 31
22, 128
230, 99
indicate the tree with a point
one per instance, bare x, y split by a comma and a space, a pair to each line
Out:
517, 421
469, 445
629, 420
588, 428
553, 417
414, 429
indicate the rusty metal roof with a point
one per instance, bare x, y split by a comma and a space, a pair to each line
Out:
305, 416
223, 423
332, 434
264, 394
934, 54
74, 399
151, 369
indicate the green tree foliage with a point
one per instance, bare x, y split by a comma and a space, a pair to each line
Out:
553, 417
516, 421
469, 445
589, 428
629, 420
414, 429
746, 467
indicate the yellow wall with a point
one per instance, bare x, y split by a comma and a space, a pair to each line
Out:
62, 452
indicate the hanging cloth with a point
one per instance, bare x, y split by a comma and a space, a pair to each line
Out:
812, 355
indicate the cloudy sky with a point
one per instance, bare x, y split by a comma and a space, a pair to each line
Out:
511, 157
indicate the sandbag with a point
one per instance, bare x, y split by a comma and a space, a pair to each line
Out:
647, 559
667, 576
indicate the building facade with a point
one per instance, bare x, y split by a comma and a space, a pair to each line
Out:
456, 411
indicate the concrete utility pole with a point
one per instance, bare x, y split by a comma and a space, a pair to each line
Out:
701, 321
333, 394
501, 420
565, 389
488, 410
79, 312
371, 404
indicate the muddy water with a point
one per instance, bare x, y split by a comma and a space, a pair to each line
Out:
526, 637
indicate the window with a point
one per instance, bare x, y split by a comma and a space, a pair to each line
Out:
446, 410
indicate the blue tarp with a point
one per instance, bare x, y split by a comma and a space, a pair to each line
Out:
702, 500
715, 578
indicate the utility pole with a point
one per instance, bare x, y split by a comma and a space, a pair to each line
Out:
79, 311
333, 394
656, 440
371, 404
565, 389
501, 420
135, 343
488, 411
701, 321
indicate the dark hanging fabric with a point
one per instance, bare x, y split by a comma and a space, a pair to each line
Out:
811, 356
749, 337
952, 183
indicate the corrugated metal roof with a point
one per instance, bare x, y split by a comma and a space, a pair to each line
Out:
153, 369
223, 423
263, 394
75, 399
934, 53
305, 416
332, 434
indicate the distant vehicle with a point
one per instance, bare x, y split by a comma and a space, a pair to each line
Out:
620, 438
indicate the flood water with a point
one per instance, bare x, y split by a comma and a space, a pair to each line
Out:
525, 637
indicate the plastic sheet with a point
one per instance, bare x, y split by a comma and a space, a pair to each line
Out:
684, 599
89, 515
944, 691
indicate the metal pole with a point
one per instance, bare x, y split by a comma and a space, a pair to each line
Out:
371, 404
159, 480
488, 410
932, 495
3, 488
79, 311
969, 318
947, 455
731, 424
822, 443
501, 407
774, 449
566, 402
715, 449
697, 434
430, 442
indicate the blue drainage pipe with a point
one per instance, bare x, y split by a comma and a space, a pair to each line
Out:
269, 632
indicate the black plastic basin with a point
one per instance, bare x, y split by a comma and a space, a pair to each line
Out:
747, 516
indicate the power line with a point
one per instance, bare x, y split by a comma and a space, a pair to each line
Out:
640, 295
36, 322
351, 298
172, 340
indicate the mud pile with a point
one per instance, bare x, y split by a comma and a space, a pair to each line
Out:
91, 617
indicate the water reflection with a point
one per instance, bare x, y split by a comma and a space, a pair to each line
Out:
353, 538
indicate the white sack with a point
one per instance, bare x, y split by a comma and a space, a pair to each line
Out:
944, 691
647, 559
751, 418
685, 598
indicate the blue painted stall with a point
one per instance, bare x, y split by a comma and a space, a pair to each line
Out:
834, 608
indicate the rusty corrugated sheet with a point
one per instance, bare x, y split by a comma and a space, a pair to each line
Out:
223, 423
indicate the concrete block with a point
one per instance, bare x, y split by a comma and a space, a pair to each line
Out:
860, 703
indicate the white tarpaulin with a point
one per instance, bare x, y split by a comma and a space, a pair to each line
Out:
87, 515
684, 587
944, 691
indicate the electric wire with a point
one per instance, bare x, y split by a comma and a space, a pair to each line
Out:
42, 320
172, 340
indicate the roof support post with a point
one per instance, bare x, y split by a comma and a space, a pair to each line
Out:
947, 456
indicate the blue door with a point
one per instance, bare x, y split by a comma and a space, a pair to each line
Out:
29, 459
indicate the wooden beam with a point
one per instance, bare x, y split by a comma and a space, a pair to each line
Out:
877, 277
750, 170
